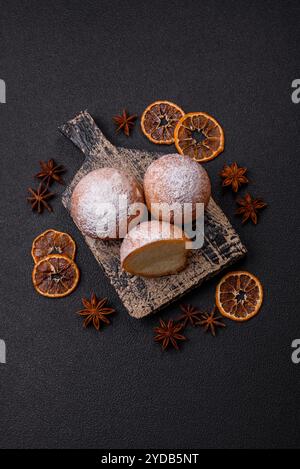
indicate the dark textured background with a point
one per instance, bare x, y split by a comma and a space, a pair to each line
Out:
66, 387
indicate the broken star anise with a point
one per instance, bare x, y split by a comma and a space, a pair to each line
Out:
38, 198
189, 315
234, 176
50, 172
95, 311
125, 122
168, 333
249, 208
210, 321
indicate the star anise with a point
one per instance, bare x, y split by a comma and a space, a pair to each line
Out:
168, 333
234, 176
50, 172
124, 122
189, 315
249, 208
38, 199
95, 311
210, 321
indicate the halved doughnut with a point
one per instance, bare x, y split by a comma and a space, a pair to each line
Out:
154, 249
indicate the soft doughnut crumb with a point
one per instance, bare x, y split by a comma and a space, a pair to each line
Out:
154, 249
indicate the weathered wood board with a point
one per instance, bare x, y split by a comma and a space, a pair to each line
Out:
142, 296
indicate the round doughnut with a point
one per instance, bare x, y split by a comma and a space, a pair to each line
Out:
176, 179
96, 207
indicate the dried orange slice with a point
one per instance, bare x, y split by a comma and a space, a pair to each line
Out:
239, 296
53, 242
199, 136
55, 276
159, 121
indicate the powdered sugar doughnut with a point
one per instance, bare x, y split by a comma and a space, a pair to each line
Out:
153, 249
176, 179
96, 207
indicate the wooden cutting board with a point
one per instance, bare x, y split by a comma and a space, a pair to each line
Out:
142, 296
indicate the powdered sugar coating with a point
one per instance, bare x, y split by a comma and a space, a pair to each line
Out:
95, 202
149, 232
176, 179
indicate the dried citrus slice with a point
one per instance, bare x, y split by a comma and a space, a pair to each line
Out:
159, 121
55, 276
53, 242
239, 296
199, 136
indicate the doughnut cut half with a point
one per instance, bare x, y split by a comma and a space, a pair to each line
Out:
154, 249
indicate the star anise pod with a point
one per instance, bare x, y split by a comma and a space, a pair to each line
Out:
38, 199
189, 315
50, 172
210, 321
168, 333
124, 122
234, 176
249, 208
95, 311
